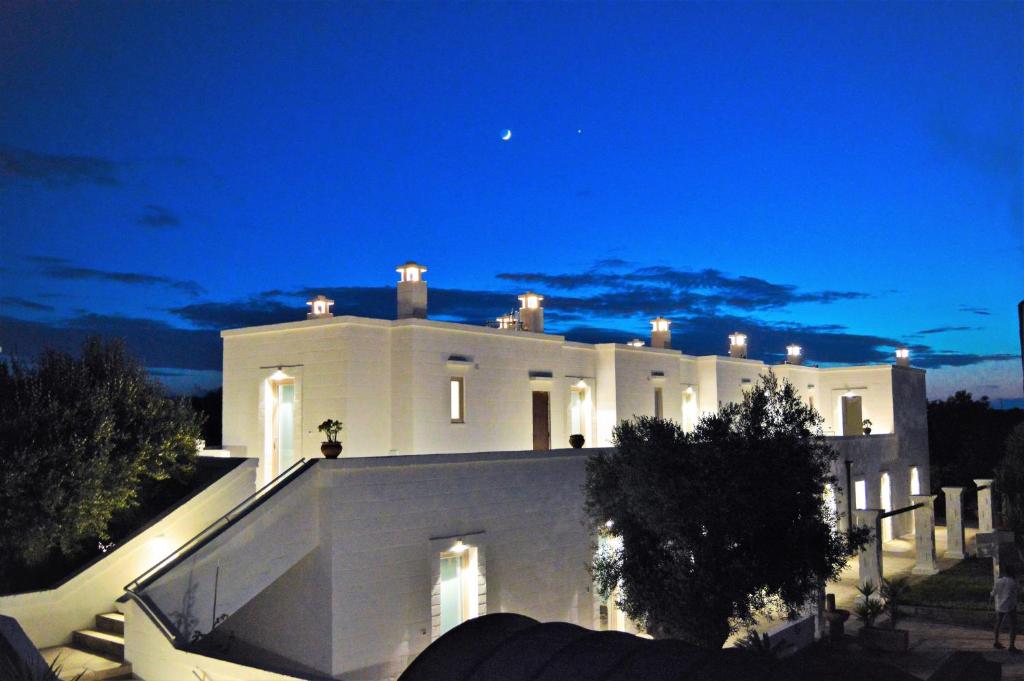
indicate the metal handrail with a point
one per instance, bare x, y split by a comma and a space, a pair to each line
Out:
205, 535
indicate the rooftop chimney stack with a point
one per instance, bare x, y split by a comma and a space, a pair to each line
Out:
794, 354
738, 345
412, 291
319, 308
661, 334
531, 312
902, 357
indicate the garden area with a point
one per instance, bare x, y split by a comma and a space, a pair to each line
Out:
965, 586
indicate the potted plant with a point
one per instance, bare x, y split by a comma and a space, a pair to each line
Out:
866, 424
868, 610
894, 593
576, 440
331, 449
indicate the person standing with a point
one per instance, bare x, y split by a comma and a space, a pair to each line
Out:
1005, 593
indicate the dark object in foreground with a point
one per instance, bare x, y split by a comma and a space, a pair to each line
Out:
576, 440
510, 647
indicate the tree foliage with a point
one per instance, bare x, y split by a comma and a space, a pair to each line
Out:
1009, 483
78, 438
966, 437
719, 524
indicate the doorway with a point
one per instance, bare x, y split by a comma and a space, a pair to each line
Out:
541, 420
280, 450
853, 422
885, 499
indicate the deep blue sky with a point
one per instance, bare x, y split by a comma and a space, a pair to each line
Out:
846, 175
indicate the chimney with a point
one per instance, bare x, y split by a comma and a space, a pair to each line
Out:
319, 308
738, 345
661, 335
794, 354
412, 291
902, 357
531, 313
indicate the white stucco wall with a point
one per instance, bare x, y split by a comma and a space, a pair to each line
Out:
49, 617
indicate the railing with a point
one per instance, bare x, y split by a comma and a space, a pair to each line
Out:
134, 589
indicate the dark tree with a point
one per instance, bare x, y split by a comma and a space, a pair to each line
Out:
78, 438
210, 405
720, 524
1010, 483
966, 438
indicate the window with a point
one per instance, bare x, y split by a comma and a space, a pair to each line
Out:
458, 400
609, 616
689, 409
915, 481
458, 587
860, 496
575, 411
659, 411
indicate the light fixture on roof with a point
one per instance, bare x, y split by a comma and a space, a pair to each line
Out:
661, 333
903, 357
738, 345
319, 308
531, 312
794, 354
635, 343
412, 291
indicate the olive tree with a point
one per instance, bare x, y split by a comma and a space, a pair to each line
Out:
721, 524
78, 438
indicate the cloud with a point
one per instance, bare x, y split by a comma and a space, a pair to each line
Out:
56, 172
26, 304
157, 217
672, 291
58, 268
946, 329
981, 311
156, 343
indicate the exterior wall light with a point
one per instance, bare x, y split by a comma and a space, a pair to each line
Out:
635, 343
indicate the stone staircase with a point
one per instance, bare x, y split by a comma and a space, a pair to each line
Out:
97, 654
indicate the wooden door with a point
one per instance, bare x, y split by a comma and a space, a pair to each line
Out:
852, 416
541, 420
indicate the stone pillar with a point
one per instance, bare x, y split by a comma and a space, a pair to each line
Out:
954, 522
984, 505
869, 561
924, 534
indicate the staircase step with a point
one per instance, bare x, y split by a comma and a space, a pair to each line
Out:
92, 667
102, 642
111, 622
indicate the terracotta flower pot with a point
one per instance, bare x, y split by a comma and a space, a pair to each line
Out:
330, 450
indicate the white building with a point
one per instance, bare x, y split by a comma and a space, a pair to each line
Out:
418, 386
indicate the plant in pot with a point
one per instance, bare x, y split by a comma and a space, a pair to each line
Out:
576, 440
870, 607
866, 425
331, 449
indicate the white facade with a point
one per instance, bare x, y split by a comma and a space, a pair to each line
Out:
393, 383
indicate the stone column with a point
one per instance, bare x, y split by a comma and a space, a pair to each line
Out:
869, 561
954, 522
924, 534
984, 504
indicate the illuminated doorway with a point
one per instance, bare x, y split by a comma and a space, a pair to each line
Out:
279, 447
885, 497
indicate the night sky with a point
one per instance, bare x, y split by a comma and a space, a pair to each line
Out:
845, 176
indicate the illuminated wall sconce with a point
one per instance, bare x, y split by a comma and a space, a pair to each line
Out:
531, 312
635, 343
738, 345
903, 357
661, 333
319, 308
794, 354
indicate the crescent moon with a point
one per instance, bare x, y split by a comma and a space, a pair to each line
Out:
506, 135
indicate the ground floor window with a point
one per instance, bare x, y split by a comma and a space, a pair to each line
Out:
457, 399
915, 481
659, 408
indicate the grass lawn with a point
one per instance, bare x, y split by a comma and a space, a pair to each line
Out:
965, 585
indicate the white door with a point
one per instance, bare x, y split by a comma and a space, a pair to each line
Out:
283, 441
